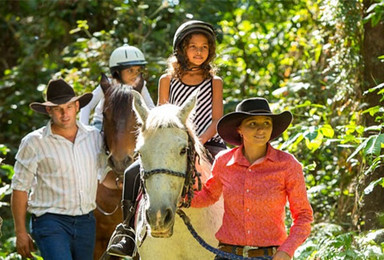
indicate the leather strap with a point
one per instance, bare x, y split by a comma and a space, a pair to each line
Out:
248, 251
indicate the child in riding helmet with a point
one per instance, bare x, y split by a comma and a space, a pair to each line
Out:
190, 68
126, 64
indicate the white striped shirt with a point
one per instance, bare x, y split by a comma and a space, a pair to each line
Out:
202, 114
60, 176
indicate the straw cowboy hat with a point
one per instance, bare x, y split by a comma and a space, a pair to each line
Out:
228, 124
60, 92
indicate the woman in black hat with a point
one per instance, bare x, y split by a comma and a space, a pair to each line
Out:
256, 181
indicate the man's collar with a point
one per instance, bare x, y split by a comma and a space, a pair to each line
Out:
48, 129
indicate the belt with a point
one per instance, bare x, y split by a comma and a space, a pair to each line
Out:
248, 251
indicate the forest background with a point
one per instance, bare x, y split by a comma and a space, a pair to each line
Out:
320, 59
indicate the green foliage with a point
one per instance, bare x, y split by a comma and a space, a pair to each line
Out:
370, 146
303, 56
375, 13
329, 242
6, 173
6, 227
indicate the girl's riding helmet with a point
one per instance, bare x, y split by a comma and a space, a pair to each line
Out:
192, 26
124, 57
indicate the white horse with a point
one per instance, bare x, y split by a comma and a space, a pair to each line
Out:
166, 146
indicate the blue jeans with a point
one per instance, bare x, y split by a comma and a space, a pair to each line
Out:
63, 237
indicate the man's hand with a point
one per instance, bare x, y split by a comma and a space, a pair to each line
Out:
24, 245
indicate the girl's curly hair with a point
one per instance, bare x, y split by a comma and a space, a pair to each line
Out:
178, 63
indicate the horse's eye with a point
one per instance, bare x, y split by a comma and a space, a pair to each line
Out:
183, 151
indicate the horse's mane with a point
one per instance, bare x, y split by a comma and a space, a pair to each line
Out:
166, 116
122, 100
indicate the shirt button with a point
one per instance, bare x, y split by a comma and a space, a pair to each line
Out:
249, 170
247, 210
249, 231
247, 190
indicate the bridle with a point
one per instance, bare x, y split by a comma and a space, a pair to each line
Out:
190, 175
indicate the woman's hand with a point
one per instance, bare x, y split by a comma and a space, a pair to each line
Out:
281, 255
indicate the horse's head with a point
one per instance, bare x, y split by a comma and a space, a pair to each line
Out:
119, 125
166, 145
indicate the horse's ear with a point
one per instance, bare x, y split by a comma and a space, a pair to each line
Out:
187, 107
104, 82
140, 108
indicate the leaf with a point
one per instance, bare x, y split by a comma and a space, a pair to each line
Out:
305, 104
311, 133
373, 184
372, 110
374, 89
373, 128
327, 131
371, 8
314, 144
374, 144
361, 146
4, 189
73, 31
373, 165
291, 140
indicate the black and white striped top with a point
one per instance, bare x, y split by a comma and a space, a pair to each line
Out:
202, 114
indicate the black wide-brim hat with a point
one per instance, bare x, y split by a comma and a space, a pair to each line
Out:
228, 124
60, 92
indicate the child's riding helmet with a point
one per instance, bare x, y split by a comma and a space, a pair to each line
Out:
124, 57
192, 26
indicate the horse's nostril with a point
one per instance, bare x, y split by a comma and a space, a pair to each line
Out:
111, 163
128, 161
168, 216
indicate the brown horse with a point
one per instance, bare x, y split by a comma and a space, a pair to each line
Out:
119, 127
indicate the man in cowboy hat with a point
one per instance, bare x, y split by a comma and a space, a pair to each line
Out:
56, 172
256, 181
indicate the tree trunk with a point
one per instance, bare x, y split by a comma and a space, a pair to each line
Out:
372, 205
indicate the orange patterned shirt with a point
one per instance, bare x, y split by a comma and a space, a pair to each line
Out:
255, 197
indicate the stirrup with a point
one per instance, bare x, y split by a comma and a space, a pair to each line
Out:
121, 232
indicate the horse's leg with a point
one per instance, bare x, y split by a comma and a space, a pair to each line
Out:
107, 200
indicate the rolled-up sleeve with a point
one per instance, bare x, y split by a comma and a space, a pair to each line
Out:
25, 167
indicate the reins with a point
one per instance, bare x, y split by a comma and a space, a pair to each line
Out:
190, 176
210, 248
105, 213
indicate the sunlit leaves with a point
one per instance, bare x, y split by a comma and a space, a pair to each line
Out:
373, 184
314, 136
375, 13
370, 146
